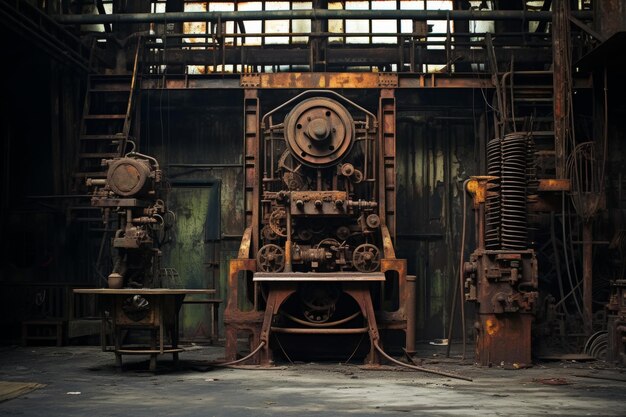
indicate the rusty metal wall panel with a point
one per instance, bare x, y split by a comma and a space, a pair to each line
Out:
436, 149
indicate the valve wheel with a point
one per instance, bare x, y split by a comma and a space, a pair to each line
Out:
366, 258
270, 258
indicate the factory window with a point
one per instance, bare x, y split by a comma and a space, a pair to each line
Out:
384, 26
301, 25
251, 26
281, 32
277, 26
335, 25
357, 25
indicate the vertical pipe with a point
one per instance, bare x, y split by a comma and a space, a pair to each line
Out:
559, 64
481, 226
288, 243
587, 277
319, 182
411, 312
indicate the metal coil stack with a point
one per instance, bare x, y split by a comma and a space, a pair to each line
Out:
513, 192
492, 203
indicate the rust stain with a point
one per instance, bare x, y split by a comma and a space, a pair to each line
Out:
492, 327
554, 185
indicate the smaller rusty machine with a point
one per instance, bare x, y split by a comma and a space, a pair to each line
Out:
132, 191
616, 309
137, 298
501, 274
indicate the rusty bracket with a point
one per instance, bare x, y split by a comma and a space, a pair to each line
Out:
250, 80
388, 249
387, 80
478, 187
244, 247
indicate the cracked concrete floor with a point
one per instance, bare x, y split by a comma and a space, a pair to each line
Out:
82, 381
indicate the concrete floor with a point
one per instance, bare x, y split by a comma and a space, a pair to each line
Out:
82, 381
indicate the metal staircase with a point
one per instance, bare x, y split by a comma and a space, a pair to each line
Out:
107, 121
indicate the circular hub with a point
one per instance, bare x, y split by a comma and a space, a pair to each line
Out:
128, 176
319, 131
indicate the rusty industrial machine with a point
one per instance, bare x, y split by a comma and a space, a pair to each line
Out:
132, 192
501, 275
316, 268
616, 329
132, 199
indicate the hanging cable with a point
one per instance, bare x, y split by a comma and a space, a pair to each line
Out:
569, 273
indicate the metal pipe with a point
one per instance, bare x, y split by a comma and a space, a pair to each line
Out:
411, 312
288, 242
481, 226
184, 165
334, 34
313, 330
315, 14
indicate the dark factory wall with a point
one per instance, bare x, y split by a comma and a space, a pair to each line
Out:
198, 139
438, 150
39, 111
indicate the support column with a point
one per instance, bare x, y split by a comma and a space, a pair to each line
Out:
252, 168
588, 277
387, 169
560, 26
318, 44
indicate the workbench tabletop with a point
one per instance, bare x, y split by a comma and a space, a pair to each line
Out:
142, 291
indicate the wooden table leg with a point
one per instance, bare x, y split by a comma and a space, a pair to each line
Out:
215, 322
153, 346
153, 362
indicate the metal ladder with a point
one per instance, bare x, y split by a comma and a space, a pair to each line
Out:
107, 121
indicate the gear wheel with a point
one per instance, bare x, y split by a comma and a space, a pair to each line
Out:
270, 258
277, 222
366, 258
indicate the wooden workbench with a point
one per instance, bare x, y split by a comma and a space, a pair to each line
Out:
153, 309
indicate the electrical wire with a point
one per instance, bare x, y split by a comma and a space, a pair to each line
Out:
458, 288
245, 358
355, 349
557, 262
281, 348
461, 257
567, 265
420, 368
